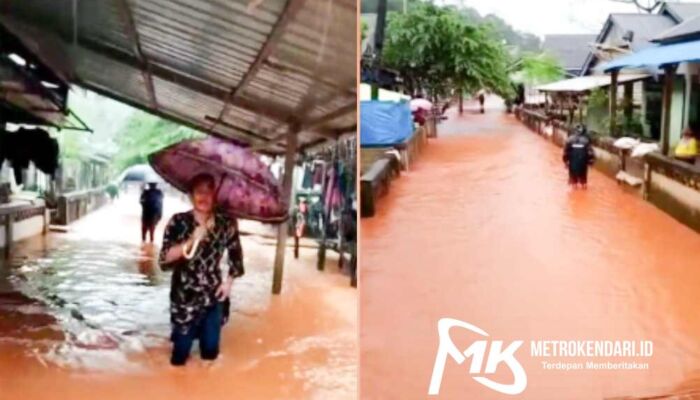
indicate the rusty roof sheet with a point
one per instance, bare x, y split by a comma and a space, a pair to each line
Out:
247, 70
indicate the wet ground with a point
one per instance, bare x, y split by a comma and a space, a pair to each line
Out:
84, 315
485, 230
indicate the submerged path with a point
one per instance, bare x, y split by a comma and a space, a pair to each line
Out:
84, 315
484, 230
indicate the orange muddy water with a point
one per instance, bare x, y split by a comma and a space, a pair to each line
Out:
484, 229
84, 315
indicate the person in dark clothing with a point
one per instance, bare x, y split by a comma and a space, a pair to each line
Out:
482, 99
193, 246
151, 210
578, 155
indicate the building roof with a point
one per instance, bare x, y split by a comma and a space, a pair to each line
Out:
586, 83
644, 26
244, 70
688, 29
570, 50
680, 11
657, 56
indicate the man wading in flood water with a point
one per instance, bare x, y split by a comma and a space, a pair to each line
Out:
578, 155
193, 244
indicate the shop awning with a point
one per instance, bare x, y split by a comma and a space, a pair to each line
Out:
656, 56
586, 83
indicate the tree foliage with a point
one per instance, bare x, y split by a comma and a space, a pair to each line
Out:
537, 68
500, 29
145, 134
436, 48
122, 132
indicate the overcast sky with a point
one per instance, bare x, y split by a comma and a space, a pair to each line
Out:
552, 16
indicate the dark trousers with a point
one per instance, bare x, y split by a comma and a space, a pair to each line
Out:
148, 225
207, 331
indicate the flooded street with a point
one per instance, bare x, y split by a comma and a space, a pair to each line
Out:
484, 229
84, 314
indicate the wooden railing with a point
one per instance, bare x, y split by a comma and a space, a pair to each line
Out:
679, 171
74, 205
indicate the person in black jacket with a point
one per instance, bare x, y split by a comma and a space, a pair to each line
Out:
578, 155
151, 210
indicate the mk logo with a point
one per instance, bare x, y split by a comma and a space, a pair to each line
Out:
477, 350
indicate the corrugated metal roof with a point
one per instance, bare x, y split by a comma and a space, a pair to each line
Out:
586, 83
681, 11
653, 57
570, 50
645, 27
690, 28
243, 72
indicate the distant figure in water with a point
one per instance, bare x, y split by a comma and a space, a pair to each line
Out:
151, 210
482, 98
578, 155
193, 245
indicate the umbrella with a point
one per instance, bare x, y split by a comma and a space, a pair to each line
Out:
246, 187
140, 173
424, 104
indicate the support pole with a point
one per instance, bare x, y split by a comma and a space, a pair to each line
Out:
378, 46
286, 196
669, 75
461, 101
9, 233
627, 103
613, 102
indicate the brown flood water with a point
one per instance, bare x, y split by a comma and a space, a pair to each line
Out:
84, 315
485, 230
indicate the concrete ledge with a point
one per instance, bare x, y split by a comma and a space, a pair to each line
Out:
21, 221
375, 183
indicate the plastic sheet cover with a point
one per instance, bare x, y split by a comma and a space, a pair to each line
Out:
384, 123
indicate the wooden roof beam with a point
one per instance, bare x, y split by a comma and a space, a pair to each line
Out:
132, 33
291, 9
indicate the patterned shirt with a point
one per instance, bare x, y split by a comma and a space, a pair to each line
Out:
195, 281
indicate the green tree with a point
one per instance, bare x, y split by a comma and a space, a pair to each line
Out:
537, 68
436, 48
144, 134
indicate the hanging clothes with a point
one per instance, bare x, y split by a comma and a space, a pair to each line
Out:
318, 174
307, 179
30, 145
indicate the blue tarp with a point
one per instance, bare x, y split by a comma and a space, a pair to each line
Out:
656, 56
384, 123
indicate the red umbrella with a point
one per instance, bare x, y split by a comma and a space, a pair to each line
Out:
246, 187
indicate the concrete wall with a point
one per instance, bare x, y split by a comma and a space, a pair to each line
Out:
24, 229
676, 199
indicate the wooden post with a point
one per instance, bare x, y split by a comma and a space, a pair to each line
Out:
287, 197
461, 100
580, 111
613, 102
647, 180
627, 102
9, 233
669, 75
45, 216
